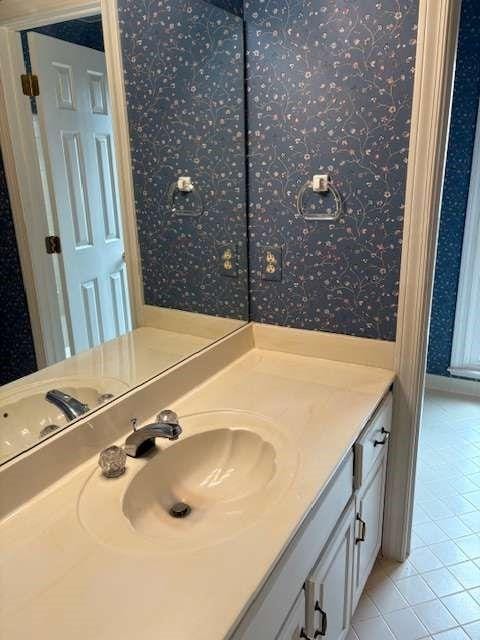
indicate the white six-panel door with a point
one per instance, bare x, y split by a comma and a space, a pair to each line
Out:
76, 129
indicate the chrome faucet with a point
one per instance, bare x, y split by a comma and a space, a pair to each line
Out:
140, 441
70, 406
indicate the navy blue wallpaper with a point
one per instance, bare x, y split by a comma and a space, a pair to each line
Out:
184, 80
329, 91
455, 195
17, 356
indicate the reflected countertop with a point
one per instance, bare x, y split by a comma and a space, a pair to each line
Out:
132, 358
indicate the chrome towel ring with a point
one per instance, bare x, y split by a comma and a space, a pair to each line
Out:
179, 200
322, 184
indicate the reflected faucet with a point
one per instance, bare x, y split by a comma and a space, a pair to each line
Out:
140, 441
70, 406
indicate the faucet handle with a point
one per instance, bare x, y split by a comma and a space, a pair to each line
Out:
167, 416
112, 462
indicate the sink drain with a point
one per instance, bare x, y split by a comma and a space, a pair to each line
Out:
180, 510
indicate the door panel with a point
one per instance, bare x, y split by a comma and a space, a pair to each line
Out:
77, 189
92, 311
369, 508
329, 587
107, 187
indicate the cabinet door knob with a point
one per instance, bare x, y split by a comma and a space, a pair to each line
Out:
304, 635
384, 440
323, 621
363, 530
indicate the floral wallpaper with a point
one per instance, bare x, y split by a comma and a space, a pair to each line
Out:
184, 80
17, 356
466, 96
329, 91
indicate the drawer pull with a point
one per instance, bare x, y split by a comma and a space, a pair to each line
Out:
363, 530
386, 435
304, 635
324, 622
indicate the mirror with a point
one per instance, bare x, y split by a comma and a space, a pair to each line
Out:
98, 298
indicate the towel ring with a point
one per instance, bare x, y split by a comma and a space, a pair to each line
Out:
319, 184
182, 187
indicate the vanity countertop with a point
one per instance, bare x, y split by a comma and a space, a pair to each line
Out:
58, 582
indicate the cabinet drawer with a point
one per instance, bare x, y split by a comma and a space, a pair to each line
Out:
373, 441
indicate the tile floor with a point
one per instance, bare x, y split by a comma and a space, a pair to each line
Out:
435, 594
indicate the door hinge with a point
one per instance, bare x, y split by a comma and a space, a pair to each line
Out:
30, 85
52, 244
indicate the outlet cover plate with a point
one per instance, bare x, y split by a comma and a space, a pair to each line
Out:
272, 264
228, 257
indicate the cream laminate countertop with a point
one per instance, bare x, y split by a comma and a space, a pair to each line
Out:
58, 582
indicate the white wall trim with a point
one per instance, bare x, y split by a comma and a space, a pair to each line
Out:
435, 61
26, 14
27, 202
449, 384
466, 335
113, 55
320, 344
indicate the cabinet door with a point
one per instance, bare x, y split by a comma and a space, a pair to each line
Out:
369, 523
294, 626
329, 586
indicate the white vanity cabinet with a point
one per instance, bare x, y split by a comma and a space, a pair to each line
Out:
315, 586
328, 589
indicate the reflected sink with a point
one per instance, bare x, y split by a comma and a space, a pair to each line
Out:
225, 476
26, 417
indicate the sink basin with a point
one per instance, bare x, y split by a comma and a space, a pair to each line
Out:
225, 477
215, 473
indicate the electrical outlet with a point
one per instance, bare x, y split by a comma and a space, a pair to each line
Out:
229, 260
272, 264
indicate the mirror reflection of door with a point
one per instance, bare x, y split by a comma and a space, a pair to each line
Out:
75, 144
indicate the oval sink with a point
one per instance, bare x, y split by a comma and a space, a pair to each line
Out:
197, 492
216, 473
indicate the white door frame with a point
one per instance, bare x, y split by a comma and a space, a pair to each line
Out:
435, 63
466, 331
436, 49
16, 124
